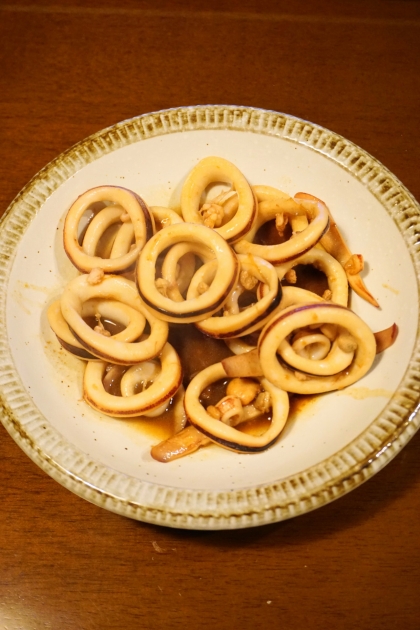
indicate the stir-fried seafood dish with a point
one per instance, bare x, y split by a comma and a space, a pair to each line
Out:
207, 313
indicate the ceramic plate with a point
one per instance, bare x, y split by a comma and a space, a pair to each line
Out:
331, 446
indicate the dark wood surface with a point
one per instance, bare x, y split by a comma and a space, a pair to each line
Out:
68, 69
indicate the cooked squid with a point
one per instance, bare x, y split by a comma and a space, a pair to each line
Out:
137, 224
194, 308
273, 204
214, 170
156, 385
220, 431
235, 320
81, 290
350, 357
211, 265
130, 319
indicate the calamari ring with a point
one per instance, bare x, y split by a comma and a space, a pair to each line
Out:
334, 360
244, 322
336, 276
132, 320
164, 387
295, 317
238, 345
164, 216
334, 244
273, 202
137, 378
179, 265
118, 288
295, 296
291, 296
315, 346
63, 333
133, 205
110, 215
228, 436
123, 241
189, 310
215, 169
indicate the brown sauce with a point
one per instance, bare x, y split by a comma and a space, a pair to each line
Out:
309, 278
159, 428
268, 234
213, 393
195, 350
300, 402
256, 426
109, 325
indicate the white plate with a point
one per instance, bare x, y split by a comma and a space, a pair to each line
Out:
332, 446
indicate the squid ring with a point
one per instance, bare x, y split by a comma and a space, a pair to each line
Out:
228, 436
118, 288
253, 317
164, 386
120, 243
132, 320
336, 276
300, 242
330, 360
137, 378
290, 296
164, 216
295, 317
214, 169
133, 205
315, 346
123, 241
335, 245
178, 267
189, 310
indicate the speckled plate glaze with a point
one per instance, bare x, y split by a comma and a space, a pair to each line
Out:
332, 446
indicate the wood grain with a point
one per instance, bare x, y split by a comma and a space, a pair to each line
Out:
69, 69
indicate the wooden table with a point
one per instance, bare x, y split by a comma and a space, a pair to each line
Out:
68, 69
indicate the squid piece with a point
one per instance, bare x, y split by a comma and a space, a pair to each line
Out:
274, 203
119, 289
239, 345
158, 387
386, 338
236, 321
215, 170
245, 400
335, 245
164, 216
178, 268
128, 203
195, 308
233, 409
179, 445
120, 243
351, 357
245, 364
131, 319
228, 436
64, 335
336, 276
